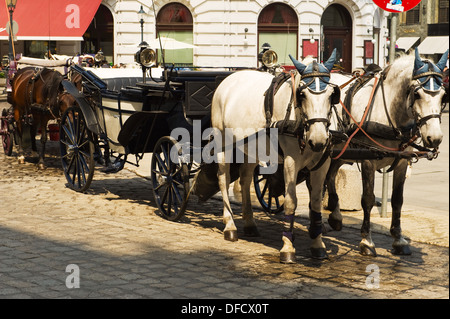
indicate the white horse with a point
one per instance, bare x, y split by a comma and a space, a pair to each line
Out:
406, 104
238, 104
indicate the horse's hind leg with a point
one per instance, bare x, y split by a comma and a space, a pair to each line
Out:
223, 174
400, 245
246, 175
366, 246
41, 163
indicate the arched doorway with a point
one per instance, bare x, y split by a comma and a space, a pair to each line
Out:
175, 21
278, 26
337, 33
100, 34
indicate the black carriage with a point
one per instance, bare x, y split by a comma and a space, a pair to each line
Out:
115, 118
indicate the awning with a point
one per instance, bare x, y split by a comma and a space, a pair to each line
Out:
433, 45
50, 19
406, 42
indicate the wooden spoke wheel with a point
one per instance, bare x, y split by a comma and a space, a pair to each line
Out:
6, 133
170, 179
269, 189
77, 150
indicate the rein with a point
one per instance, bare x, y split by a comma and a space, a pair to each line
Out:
397, 132
370, 103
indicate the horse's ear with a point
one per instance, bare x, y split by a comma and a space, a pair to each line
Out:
330, 62
443, 61
298, 65
418, 63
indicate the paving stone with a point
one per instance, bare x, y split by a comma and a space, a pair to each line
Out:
126, 250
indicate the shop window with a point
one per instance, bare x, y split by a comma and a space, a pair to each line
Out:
39, 49
100, 34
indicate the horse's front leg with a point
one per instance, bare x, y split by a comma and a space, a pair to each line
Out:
245, 180
317, 178
287, 252
223, 175
400, 245
335, 218
367, 246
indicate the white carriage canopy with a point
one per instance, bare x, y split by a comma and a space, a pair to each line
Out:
50, 19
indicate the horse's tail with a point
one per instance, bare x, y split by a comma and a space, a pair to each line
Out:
52, 88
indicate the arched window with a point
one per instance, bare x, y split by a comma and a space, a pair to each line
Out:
278, 26
337, 32
175, 21
100, 34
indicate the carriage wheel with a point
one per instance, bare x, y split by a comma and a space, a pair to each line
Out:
269, 193
7, 136
77, 149
170, 180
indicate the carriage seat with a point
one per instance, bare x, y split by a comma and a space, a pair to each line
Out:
116, 84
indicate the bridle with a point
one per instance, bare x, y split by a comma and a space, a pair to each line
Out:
413, 96
307, 122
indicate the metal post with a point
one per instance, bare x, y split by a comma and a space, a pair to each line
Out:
142, 30
10, 38
384, 193
393, 39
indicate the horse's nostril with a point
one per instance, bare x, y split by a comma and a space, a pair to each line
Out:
317, 147
433, 142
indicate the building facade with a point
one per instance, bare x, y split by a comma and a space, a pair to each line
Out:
227, 33
425, 26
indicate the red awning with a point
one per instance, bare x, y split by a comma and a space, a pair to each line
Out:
50, 19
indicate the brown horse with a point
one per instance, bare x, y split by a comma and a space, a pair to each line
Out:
35, 99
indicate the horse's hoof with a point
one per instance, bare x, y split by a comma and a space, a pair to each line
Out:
230, 235
41, 166
21, 160
319, 253
367, 250
251, 231
335, 224
287, 257
404, 250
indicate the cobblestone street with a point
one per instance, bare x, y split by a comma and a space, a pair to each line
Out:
123, 249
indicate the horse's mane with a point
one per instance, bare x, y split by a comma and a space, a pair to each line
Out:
401, 71
399, 76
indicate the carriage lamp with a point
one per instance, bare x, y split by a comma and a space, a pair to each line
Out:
99, 58
147, 58
267, 57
